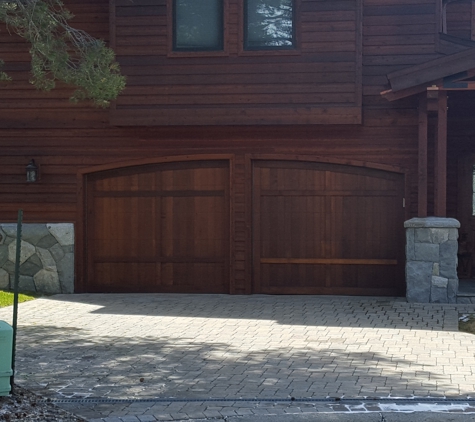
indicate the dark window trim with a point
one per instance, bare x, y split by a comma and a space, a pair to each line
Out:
246, 48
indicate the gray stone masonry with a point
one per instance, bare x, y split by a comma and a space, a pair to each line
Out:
431, 260
46, 259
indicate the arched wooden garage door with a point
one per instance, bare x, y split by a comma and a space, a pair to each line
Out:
327, 229
159, 228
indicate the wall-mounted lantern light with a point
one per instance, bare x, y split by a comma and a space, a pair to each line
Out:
32, 172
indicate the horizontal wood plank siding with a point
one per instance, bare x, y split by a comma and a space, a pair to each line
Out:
62, 153
396, 35
305, 104
459, 19
290, 87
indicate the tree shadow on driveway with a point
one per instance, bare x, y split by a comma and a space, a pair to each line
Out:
221, 346
68, 362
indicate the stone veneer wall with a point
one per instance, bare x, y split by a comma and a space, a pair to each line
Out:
431, 260
46, 261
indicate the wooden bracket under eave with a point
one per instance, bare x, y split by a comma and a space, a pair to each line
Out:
456, 82
391, 95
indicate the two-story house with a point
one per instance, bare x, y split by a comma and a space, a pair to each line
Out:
261, 146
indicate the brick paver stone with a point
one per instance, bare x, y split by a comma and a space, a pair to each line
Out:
218, 346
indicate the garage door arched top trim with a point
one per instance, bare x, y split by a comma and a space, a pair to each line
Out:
327, 160
153, 160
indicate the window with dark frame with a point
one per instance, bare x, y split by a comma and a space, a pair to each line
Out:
463, 25
269, 24
198, 25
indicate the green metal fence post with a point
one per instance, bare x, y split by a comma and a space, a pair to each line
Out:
15, 291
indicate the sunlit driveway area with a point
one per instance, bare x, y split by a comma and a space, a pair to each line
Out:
219, 346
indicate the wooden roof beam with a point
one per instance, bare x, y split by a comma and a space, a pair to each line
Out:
392, 95
441, 85
430, 71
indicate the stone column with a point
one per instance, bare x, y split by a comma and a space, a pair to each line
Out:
431, 260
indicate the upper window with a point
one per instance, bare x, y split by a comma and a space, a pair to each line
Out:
457, 19
269, 24
198, 25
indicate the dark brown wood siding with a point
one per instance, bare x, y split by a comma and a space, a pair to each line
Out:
67, 139
459, 19
318, 82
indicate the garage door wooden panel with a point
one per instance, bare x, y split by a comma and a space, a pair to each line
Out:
161, 228
327, 229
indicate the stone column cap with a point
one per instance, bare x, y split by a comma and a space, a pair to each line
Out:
432, 222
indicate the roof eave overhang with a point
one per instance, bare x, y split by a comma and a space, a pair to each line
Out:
445, 73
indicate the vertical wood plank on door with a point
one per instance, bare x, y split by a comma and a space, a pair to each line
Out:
311, 230
161, 228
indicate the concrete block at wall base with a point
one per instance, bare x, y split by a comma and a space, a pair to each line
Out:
418, 279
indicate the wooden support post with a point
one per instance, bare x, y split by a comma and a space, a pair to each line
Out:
440, 169
422, 164
472, 26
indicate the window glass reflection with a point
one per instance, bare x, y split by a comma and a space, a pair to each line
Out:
269, 24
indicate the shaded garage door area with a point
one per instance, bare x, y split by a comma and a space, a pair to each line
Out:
159, 228
327, 229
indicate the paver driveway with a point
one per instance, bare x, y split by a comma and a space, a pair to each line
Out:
202, 346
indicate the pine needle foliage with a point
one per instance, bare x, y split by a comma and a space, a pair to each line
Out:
60, 52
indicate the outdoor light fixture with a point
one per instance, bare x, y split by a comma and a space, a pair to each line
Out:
32, 172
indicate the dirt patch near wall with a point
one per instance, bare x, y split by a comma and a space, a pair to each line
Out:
25, 406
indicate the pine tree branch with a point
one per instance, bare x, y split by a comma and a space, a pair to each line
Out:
60, 52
